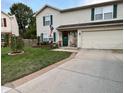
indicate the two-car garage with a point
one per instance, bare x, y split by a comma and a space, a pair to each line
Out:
102, 39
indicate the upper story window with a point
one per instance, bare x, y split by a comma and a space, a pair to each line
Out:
47, 20
3, 22
98, 13
108, 12
104, 13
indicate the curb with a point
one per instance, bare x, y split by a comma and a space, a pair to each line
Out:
29, 77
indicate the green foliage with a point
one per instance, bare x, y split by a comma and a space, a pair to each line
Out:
6, 40
31, 30
34, 59
55, 45
23, 15
17, 44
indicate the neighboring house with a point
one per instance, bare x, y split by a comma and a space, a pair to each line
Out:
9, 26
98, 26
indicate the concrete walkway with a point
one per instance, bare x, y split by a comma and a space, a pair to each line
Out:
66, 50
91, 71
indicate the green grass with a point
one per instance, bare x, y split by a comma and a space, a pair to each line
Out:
34, 59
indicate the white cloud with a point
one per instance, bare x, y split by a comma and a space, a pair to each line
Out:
87, 2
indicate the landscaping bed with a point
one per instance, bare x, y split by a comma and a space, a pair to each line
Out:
33, 59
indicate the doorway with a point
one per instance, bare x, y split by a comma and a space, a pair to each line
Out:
65, 38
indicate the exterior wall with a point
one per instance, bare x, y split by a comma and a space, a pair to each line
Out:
8, 28
84, 16
79, 38
46, 29
15, 28
76, 17
120, 11
72, 17
12, 26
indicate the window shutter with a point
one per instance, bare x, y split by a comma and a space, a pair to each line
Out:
4, 20
38, 40
41, 37
43, 20
115, 11
92, 14
51, 19
54, 35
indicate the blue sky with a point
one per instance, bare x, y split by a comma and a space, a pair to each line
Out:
38, 4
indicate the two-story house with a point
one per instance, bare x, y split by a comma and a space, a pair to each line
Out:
9, 26
98, 26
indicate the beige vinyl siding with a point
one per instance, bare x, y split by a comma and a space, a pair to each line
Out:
70, 17
12, 25
8, 24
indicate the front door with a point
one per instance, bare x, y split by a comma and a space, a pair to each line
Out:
65, 38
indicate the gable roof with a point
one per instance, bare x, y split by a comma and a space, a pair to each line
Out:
80, 7
46, 6
4, 13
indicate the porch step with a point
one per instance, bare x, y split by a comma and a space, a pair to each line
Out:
69, 48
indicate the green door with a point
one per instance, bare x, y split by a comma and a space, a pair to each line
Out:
65, 38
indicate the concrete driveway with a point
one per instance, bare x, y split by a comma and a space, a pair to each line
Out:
91, 71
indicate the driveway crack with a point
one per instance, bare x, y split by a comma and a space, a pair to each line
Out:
90, 75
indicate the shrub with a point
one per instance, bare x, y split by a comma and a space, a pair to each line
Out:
55, 45
38, 40
17, 44
6, 40
45, 43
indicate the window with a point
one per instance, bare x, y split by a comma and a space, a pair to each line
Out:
47, 20
103, 13
98, 13
108, 11
45, 37
3, 22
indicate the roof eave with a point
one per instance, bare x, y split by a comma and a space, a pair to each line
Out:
92, 5
81, 7
45, 6
5, 14
89, 25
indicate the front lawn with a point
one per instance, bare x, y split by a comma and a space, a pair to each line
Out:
34, 59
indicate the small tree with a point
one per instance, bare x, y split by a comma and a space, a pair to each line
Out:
17, 44
31, 29
23, 15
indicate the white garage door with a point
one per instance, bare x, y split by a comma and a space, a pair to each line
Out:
102, 40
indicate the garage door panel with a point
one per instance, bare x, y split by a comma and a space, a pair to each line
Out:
102, 40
